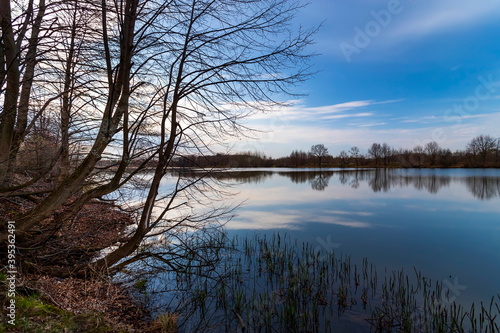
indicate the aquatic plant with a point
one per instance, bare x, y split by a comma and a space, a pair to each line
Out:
278, 284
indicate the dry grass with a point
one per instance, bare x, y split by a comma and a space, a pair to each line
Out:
165, 323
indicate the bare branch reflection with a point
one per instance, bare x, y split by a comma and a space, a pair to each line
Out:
483, 188
379, 180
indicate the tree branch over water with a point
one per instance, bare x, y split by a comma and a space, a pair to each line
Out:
141, 83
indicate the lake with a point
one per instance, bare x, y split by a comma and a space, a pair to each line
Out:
444, 223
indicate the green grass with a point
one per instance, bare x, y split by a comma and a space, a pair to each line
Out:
35, 315
141, 284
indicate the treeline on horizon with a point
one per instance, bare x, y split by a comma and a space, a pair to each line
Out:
482, 151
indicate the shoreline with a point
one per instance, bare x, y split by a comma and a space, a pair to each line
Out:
74, 304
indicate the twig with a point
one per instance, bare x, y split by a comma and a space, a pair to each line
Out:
242, 323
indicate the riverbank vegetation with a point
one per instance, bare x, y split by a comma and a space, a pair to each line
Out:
45, 302
92, 92
130, 83
276, 283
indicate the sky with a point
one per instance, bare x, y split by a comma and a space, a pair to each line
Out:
398, 72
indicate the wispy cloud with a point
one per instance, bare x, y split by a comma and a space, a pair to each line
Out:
344, 212
346, 115
444, 119
264, 220
298, 111
449, 134
415, 21
340, 107
372, 124
342, 222
436, 16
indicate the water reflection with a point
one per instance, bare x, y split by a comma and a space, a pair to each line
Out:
384, 180
379, 180
243, 176
483, 188
442, 221
318, 179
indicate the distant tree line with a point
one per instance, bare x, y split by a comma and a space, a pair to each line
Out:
482, 151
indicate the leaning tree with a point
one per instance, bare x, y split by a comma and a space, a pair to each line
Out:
130, 83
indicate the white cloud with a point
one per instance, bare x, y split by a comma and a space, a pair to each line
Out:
347, 115
429, 17
296, 110
344, 223
372, 124
445, 119
340, 107
449, 133
248, 219
264, 220
343, 212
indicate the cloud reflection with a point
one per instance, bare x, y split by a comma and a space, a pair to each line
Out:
251, 220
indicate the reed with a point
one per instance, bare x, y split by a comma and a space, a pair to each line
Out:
275, 284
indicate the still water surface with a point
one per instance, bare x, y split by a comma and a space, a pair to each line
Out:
443, 222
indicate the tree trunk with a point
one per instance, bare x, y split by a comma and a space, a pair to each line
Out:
66, 105
24, 99
119, 95
8, 116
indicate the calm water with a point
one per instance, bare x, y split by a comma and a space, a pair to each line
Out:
445, 223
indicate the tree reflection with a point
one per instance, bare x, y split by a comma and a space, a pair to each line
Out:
320, 181
378, 180
354, 181
298, 177
382, 180
231, 175
483, 188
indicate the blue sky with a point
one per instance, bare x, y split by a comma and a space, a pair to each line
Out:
402, 72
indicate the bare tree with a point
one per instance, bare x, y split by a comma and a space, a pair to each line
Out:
354, 151
445, 157
482, 145
375, 151
385, 153
153, 81
295, 158
418, 156
343, 158
432, 149
319, 151
11, 76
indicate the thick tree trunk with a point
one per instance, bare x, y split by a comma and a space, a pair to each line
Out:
66, 105
119, 96
24, 99
108, 126
8, 115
